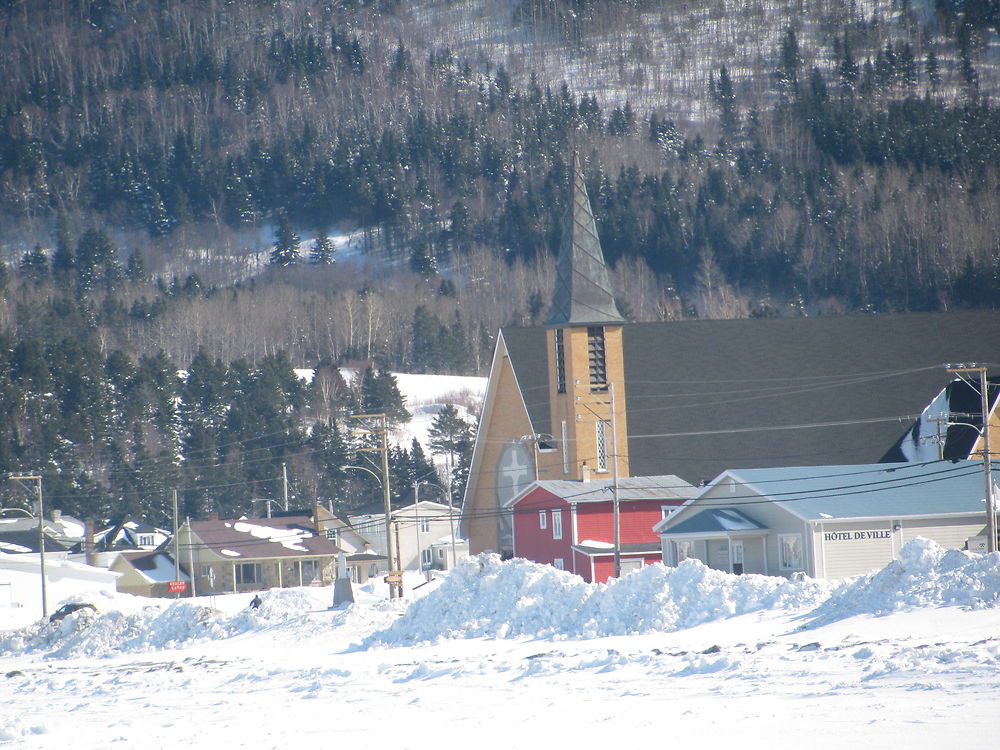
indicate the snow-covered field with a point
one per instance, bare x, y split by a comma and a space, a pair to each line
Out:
518, 655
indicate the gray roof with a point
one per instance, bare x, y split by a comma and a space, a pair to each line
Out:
872, 490
583, 293
706, 395
721, 520
635, 548
664, 487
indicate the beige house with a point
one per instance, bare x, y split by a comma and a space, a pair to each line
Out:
827, 521
147, 572
425, 530
253, 554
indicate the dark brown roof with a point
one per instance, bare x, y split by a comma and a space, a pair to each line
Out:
708, 395
258, 538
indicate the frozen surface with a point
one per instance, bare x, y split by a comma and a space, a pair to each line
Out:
518, 655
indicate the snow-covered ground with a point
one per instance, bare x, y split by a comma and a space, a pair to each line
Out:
519, 655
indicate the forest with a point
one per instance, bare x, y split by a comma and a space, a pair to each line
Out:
242, 189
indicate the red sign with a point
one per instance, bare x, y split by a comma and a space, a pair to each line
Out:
175, 587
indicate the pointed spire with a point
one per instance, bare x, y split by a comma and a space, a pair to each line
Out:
583, 293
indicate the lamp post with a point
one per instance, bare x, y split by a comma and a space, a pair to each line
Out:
395, 590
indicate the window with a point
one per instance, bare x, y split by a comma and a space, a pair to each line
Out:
206, 571
310, 571
333, 535
790, 550
560, 362
248, 573
426, 557
424, 525
441, 554
543, 519
597, 359
558, 564
684, 551
602, 445
557, 524
147, 540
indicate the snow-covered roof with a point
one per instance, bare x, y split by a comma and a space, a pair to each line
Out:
660, 487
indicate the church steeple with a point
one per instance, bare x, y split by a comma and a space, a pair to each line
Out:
583, 290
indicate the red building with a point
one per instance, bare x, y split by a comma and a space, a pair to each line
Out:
570, 523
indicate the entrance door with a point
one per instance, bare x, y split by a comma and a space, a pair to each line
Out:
737, 557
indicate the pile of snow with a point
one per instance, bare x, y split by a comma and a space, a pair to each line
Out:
484, 597
924, 575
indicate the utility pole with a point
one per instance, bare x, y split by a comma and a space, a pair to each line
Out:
395, 574
991, 517
191, 574
616, 509
37, 479
177, 543
284, 483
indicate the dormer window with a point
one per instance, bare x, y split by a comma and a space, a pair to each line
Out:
597, 358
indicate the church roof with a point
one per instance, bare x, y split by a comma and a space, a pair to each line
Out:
583, 294
704, 396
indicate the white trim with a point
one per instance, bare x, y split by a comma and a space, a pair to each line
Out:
557, 524
543, 519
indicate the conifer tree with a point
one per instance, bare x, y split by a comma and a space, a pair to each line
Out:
322, 250
286, 245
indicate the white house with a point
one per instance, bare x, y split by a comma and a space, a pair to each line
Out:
425, 534
826, 521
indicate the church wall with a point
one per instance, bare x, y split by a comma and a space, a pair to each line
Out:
505, 421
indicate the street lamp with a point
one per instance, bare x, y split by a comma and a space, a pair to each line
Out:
395, 589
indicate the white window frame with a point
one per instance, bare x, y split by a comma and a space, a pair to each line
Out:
256, 574
557, 527
787, 561
559, 564
424, 524
602, 445
543, 519
426, 557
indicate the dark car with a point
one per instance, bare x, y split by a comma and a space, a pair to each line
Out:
67, 609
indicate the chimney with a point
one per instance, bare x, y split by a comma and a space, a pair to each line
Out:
56, 515
88, 542
585, 472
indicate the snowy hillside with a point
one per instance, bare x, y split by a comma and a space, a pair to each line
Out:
521, 655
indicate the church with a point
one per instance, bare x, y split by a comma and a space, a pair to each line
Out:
590, 394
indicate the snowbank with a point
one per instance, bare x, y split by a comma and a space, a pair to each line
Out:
925, 575
485, 597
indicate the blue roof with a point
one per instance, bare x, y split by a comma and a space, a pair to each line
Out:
717, 520
870, 490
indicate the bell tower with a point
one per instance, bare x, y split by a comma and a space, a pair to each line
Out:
585, 357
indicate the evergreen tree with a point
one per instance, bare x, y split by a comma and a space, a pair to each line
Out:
34, 265
322, 250
286, 245
380, 395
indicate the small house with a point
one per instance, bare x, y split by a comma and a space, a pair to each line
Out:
826, 521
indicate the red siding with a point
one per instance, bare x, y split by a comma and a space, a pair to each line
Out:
604, 567
595, 521
534, 543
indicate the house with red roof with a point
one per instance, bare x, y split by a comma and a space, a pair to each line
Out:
570, 523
